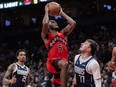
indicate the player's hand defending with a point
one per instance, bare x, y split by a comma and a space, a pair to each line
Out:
13, 80
111, 65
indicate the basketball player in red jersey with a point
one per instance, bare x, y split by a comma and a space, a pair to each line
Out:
56, 44
112, 63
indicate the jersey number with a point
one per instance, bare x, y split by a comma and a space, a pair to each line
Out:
60, 48
82, 79
24, 79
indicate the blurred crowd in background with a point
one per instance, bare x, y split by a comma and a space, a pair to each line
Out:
37, 53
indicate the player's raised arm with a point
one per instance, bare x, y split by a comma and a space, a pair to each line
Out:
6, 79
45, 24
68, 29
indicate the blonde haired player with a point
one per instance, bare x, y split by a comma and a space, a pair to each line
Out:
87, 69
56, 44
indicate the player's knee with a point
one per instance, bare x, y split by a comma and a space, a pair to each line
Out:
62, 64
65, 65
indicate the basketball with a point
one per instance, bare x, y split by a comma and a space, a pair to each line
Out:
54, 9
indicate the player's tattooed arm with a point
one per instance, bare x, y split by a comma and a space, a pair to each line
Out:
6, 79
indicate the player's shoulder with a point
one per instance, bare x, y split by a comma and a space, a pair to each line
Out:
62, 32
11, 66
27, 67
29, 71
114, 48
94, 62
93, 65
76, 57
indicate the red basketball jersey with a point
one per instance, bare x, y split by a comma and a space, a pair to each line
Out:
114, 83
57, 46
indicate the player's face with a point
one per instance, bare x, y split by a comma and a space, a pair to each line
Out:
85, 47
53, 25
21, 56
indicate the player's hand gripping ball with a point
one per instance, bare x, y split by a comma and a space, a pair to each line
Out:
53, 9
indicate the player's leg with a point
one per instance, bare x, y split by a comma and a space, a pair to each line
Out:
62, 66
64, 72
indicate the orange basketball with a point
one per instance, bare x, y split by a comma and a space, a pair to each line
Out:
54, 9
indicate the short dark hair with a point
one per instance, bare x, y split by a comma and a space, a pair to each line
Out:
21, 50
94, 46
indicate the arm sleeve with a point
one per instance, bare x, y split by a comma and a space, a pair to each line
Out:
95, 71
